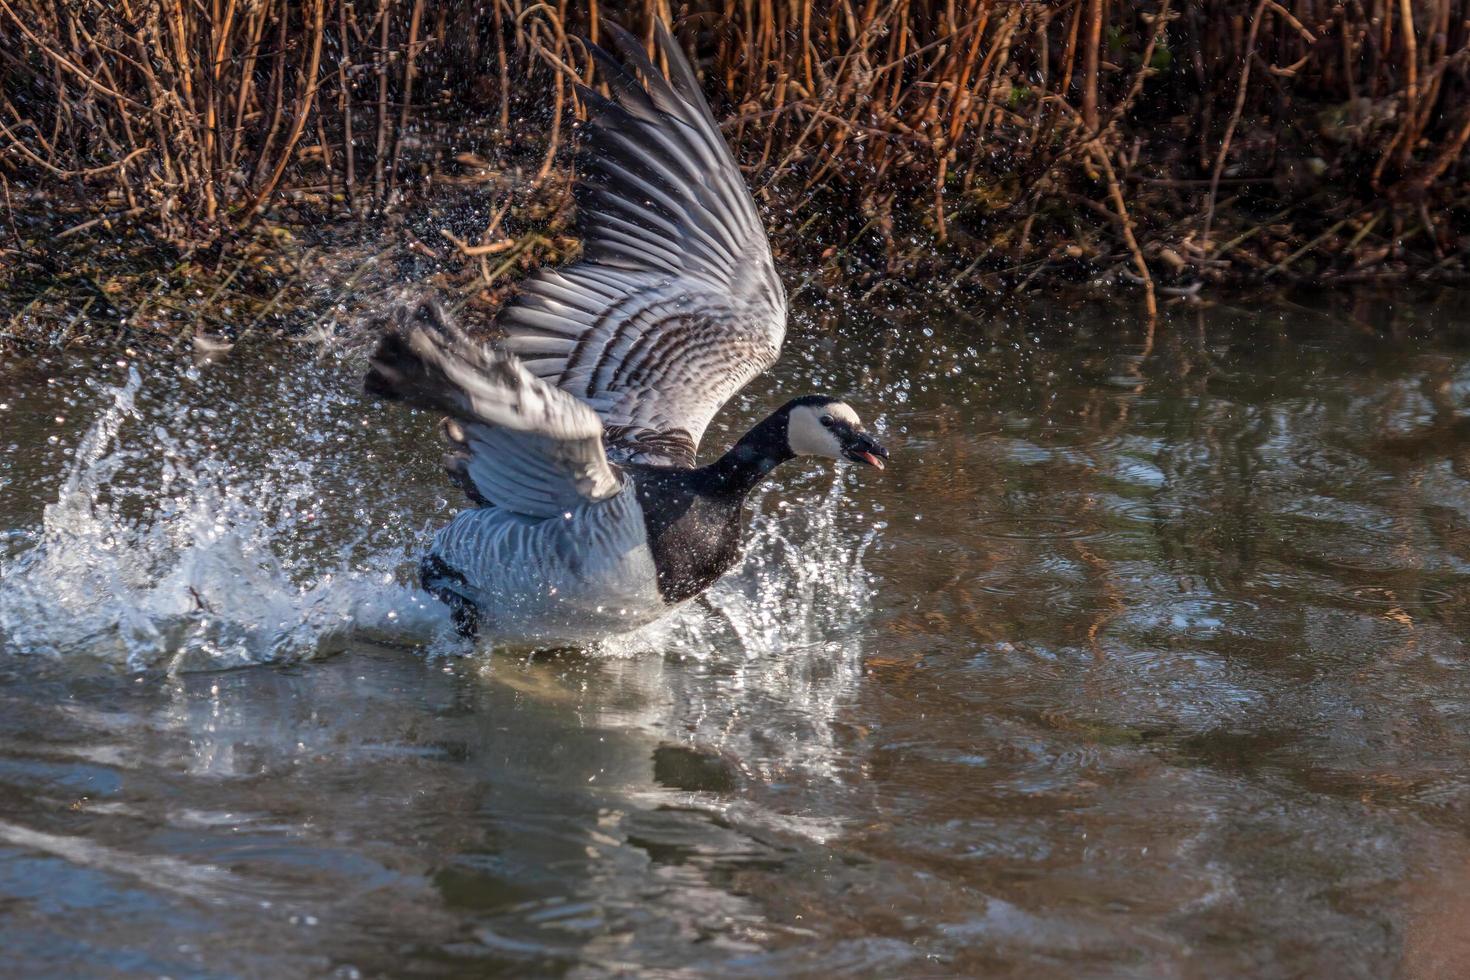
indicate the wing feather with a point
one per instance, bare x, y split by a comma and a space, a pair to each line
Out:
675, 304
517, 442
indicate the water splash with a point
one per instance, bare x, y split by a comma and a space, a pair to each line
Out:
159, 551
779, 639
185, 538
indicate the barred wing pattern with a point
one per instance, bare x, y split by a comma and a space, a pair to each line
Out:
521, 444
675, 304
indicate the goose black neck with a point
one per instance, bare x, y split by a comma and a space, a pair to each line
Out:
750, 460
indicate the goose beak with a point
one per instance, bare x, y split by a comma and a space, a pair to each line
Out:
863, 448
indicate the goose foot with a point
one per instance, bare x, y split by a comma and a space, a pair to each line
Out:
436, 578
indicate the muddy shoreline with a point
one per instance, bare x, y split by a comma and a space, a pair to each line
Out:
303, 274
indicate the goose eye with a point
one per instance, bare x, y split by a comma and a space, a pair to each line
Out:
827, 421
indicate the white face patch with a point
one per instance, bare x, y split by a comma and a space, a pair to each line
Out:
807, 436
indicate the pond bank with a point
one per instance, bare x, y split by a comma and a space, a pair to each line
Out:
318, 279
1145, 148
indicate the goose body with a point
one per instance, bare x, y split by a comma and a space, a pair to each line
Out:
553, 580
576, 436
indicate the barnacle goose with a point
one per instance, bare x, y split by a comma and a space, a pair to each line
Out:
575, 437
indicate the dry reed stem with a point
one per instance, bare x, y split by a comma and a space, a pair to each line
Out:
883, 116
303, 111
1247, 58
407, 97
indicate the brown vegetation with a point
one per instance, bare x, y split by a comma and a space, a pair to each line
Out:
989, 141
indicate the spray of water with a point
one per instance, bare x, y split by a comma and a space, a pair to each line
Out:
779, 640
182, 538
161, 552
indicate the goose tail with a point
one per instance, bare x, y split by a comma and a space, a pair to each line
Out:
403, 371
409, 364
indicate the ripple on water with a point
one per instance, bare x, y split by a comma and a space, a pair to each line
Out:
1341, 465
1034, 527
1315, 510
1334, 638
1044, 590
1193, 619
1055, 594
1383, 596
1304, 542
1161, 512
1061, 435
1291, 585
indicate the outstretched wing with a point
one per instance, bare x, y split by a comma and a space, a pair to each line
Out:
675, 304
522, 444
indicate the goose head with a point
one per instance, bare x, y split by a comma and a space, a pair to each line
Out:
820, 426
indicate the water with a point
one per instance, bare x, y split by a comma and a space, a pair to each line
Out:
1145, 657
